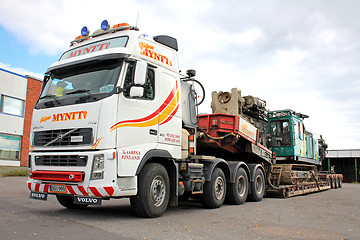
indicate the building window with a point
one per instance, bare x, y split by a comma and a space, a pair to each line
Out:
10, 147
12, 106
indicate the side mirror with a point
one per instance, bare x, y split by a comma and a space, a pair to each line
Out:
136, 92
140, 73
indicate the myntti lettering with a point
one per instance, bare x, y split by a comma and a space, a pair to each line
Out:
90, 49
69, 116
148, 50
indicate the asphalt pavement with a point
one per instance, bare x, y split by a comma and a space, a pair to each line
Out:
332, 214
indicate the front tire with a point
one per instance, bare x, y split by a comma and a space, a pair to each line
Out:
68, 202
258, 186
214, 190
237, 192
153, 191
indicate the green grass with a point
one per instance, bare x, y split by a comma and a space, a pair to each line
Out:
13, 171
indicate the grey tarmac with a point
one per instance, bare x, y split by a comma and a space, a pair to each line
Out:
332, 214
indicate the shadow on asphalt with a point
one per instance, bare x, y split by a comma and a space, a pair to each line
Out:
123, 210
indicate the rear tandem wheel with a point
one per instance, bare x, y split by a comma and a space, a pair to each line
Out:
237, 192
214, 190
258, 186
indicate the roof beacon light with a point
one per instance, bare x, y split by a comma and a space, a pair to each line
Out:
121, 25
105, 25
85, 31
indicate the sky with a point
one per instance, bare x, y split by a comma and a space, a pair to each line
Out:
300, 55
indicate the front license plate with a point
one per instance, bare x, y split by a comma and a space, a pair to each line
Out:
38, 196
87, 200
55, 188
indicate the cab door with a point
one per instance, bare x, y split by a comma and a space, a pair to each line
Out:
137, 124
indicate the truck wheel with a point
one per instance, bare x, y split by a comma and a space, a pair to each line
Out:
68, 202
214, 190
258, 186
237, 192
153, 191
335, 182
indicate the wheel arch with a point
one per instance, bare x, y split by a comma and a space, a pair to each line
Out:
210, 165
253, 167
164, 158
234, 166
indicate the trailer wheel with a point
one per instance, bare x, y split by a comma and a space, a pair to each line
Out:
214, 190
339, 182
237, 192
68, 202
153, 191
332, 183
258, 186
335, 182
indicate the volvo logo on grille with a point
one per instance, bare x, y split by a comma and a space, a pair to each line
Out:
59, 137
71, 176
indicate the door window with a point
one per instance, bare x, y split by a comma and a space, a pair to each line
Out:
149, 86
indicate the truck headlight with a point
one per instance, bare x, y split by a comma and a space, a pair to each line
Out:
98, 167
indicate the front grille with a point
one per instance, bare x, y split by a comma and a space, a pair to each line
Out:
80, 136
67, 160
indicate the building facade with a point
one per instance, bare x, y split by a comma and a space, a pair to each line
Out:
346, 162
18, 95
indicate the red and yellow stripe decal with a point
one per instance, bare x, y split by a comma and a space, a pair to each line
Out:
96, 143
162, 115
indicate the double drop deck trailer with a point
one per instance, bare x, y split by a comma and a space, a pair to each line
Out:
116, 120
229, 137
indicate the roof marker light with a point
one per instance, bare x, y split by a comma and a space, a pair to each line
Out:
121, 25
105, 25
85, 31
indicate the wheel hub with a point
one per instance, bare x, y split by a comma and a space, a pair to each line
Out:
219, 188
258, 185
158, 190
241, 186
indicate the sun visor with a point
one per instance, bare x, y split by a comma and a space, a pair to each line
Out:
167, 41
92, 59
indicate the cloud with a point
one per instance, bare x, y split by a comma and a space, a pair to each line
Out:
20, 71
293, 54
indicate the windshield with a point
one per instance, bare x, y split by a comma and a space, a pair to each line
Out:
90, 80
280, 133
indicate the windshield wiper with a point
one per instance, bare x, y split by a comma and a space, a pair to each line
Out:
79, 91
50, 96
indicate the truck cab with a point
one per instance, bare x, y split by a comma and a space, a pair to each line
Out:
108, 106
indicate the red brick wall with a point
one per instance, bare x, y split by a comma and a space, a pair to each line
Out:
32, 95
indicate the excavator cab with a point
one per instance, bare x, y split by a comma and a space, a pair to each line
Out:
289, 140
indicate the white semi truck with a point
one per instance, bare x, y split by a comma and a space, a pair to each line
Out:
115, 119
